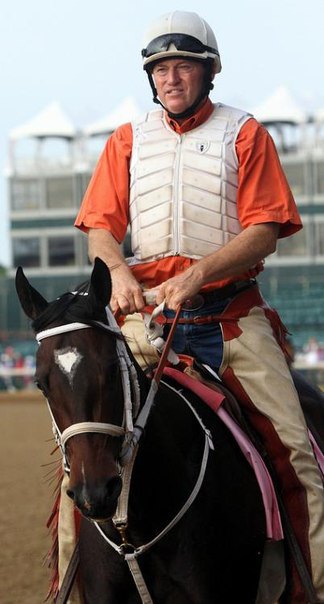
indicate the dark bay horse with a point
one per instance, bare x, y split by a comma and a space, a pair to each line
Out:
214, 552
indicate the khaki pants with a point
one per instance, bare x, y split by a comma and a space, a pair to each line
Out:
134, 332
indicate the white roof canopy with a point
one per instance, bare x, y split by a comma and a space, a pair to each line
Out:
51, 122
279, 107
319, 115
126, 111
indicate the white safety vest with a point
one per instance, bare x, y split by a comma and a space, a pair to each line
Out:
183, 188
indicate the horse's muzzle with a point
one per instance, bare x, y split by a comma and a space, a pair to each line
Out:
97, 501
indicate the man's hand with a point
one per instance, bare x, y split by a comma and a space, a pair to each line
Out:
126, 291
178, 289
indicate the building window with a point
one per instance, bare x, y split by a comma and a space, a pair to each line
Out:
85, 179
296, 245
25, 194
59, 192
26, 252
296, 176
319, 178
61, 251
319, 229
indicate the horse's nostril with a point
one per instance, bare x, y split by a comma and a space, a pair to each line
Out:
96, 500
70, 493
114, 487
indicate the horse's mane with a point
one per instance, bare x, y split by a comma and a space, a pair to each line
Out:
70, 307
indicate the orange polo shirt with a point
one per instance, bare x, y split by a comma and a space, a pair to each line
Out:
263, 193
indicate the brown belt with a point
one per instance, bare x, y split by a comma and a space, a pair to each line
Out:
194, 320
197, 302
215, 295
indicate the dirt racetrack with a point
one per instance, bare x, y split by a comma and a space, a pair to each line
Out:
25, 497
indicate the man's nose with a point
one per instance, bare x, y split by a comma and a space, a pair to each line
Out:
173, 75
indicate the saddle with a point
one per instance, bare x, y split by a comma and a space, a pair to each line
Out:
311, 400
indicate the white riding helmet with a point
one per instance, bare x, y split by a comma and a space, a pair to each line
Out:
180, 34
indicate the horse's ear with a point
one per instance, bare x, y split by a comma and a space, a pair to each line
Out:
32, 302
100, 284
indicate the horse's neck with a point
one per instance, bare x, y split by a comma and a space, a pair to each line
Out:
170, 448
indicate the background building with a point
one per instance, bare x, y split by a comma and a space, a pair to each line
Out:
49, 166
294, 278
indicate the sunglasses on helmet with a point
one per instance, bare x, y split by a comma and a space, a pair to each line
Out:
180, 41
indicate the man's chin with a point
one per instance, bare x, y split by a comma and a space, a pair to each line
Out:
176, 107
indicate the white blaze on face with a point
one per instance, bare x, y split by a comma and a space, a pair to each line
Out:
68, 359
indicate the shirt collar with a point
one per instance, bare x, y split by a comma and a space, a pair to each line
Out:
195, 120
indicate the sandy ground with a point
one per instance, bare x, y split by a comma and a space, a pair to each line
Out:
25, 497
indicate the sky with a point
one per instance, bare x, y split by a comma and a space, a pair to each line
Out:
85, 54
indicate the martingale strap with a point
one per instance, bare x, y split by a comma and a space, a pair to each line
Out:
139, 579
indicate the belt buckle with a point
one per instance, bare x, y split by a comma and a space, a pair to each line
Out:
194, 303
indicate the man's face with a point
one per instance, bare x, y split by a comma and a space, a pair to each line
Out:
178, 83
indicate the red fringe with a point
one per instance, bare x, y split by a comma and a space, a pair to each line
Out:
51, 558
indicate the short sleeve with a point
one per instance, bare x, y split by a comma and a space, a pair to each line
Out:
106, 202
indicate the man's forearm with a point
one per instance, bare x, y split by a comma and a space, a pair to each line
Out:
102, 244
239, 255
242, 253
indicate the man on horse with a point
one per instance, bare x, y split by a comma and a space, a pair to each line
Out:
204, 194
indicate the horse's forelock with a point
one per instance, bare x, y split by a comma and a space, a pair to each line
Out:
67, 308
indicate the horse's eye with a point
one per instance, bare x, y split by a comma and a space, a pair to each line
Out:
40, 386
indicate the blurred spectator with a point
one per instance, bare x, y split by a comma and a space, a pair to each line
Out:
312, 350
7, 362
16, 370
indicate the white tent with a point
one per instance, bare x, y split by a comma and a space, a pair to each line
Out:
279, 107
319, 115
50, 122
126, 111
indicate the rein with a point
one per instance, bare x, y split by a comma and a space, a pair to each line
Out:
131, 443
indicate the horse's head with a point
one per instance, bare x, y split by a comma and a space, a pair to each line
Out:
79, 369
